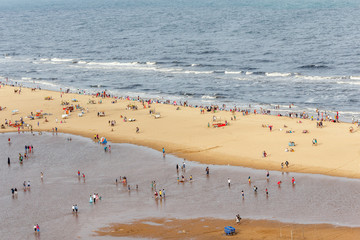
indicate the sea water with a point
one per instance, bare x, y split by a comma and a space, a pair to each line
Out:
313, 199
264, 53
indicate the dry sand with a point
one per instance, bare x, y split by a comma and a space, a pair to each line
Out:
185, 132
205, 228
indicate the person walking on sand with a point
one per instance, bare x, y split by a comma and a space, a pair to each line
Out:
207, 171
249, 179
267, 193
293, 181
8, 160
163, 150
267, 174
242, 194
279, 183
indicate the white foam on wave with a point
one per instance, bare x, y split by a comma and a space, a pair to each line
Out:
46, 83
61, 60
278, 74
248, 73
110, 64
198, 72
355, 77
194, 65
315, 78
208, 97
242, 79
151, 63
233, 72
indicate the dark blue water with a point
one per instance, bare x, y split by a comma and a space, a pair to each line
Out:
262, 52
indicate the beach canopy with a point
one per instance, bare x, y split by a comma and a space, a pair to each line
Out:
15, 111
64, 116
103, 140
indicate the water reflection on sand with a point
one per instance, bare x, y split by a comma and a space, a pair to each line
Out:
314, 198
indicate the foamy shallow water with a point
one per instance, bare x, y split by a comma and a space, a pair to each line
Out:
314, 199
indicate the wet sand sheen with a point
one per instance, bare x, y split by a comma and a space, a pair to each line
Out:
314, 199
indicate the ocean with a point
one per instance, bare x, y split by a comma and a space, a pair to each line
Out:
264, 53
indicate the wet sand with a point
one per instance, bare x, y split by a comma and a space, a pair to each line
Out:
209, 228
315, 199
185, 132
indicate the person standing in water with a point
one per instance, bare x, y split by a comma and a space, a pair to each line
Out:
229, 182
242, 194
293, 181
8, 160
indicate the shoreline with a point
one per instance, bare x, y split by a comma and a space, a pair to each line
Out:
185, 132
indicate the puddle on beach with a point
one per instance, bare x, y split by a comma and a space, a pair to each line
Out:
314, 198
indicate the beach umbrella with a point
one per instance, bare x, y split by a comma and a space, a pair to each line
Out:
103, 140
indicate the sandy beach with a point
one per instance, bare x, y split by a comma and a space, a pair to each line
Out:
185, 132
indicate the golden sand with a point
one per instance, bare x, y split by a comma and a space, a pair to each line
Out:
185, 132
